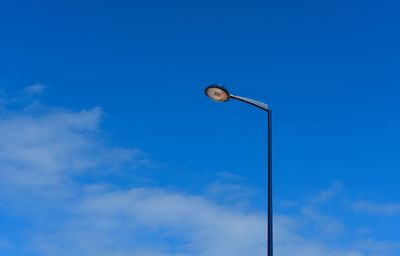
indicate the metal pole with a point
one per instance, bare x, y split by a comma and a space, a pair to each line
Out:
270, 227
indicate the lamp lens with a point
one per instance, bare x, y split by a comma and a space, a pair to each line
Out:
217, 94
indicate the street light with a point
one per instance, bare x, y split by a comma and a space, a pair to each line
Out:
219, 93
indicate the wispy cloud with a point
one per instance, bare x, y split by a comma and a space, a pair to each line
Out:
155, 221
377, 208
323, 224
230, 189
35, 89
378, 248
44, 154
327, 194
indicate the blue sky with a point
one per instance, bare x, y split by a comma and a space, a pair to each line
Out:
110, 147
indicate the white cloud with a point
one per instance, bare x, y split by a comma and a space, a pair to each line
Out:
327, 194
323, 224
42, 155
160, 222
378, 248
147, 222
376, 208
35, 89
230, 189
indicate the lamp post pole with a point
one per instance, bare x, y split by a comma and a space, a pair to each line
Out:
270, 226
219, 93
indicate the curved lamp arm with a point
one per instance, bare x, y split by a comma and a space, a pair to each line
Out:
255, 103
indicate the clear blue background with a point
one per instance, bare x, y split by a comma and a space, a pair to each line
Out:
328, 69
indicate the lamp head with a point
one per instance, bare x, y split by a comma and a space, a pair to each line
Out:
217, 93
